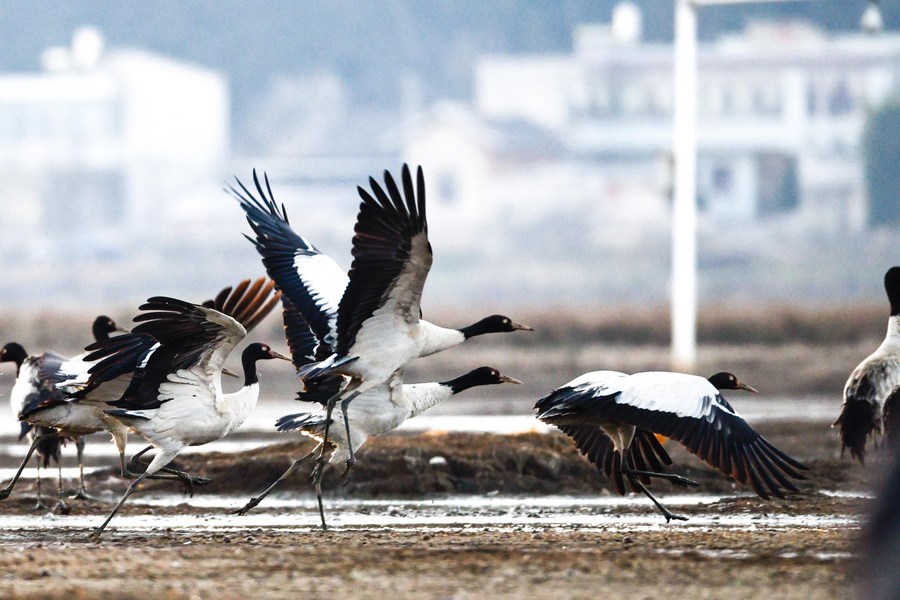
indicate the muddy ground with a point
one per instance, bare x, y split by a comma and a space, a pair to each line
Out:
759, 559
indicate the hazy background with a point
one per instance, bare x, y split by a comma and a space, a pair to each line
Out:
543, 132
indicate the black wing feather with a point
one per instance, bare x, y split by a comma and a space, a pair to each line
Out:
749, 459
278, 245
382, 244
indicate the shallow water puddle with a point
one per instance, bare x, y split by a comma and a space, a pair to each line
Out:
480, 512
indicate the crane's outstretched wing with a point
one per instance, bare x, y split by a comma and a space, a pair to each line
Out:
682, 407
312, 281
188, 338
391, 259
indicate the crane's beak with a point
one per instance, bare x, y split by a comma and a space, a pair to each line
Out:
505, 379
230, 373
743, 386
274, 354
518, 327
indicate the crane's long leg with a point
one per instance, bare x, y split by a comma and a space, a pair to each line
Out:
81, 494
187, 481
155, 465
319, 498
61, 506
626, 469
677, 480
257, 499
320, 460
40, 498
5, 492
351, 462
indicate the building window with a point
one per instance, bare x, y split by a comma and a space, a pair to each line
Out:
721, 179
840, 101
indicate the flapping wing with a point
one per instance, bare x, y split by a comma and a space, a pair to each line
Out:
391, 259
190, 337
311, 280
687, 409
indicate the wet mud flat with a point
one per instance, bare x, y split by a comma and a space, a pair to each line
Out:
399, 530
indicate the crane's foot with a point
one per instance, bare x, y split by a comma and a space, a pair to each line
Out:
81, 495
39, 505
61, 508
348, 469
254, 502
679, 481
673, 517
4, 493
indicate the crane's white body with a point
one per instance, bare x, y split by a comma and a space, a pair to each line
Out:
376, 412
881, 370
25, 384
195, 413
83, 416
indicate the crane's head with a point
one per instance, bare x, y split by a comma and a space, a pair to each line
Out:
728, 381
258, 351
13, 352
103, 326
493, 324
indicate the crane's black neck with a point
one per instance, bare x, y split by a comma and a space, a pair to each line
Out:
479, 376
248, 361
892, 287
486, 325
461, 383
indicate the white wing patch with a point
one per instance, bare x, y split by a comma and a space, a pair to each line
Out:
323, 278
683, 395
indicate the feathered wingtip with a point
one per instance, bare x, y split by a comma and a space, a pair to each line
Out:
560, 403
314, 372
306, 421
856, 422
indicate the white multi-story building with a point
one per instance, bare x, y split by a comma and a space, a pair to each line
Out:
106, 155
782, 114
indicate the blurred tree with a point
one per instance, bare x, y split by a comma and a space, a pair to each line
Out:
882, 155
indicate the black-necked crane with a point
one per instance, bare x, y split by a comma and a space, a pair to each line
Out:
613, 418
872, 380
34, 386
175, 399
368, 323
374, 412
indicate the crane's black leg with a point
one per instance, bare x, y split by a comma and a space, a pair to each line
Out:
257, 499
95, 536
321, 460
676, 480
155, 465
81, 494
61, 506
626, 469
134, 465
40, 498
5, 492
351, 462
187, 481
319, 498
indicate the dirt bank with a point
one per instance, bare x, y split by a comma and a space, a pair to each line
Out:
412, 560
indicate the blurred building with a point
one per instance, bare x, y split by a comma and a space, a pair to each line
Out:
782, 113
106, 155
